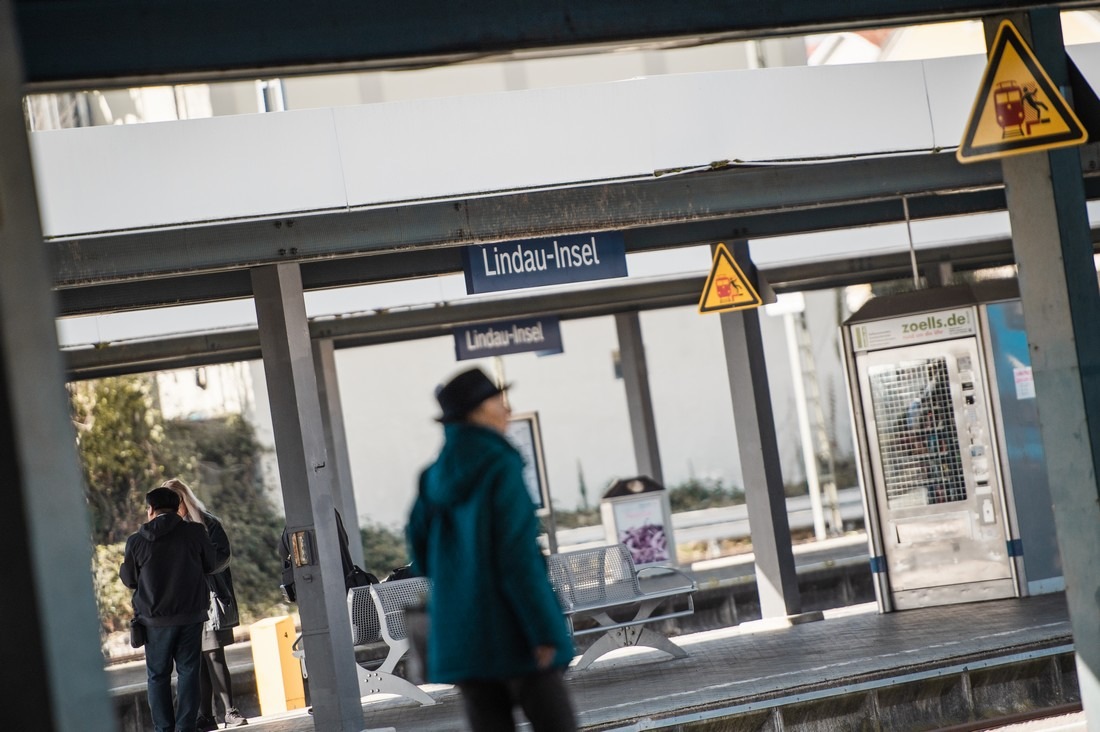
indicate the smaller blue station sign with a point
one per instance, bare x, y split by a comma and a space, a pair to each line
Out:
537, 262
508, 336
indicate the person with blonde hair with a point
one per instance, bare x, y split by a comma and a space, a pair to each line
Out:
214, 680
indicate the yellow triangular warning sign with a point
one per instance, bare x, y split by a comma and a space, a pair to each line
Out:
727, 286
1018, 109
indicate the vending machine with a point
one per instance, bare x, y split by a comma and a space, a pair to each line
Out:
951, 465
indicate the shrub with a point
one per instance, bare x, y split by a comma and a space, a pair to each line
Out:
577, 518
112, 597
383, 548
699, 493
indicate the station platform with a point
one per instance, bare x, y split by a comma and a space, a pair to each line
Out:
935, 668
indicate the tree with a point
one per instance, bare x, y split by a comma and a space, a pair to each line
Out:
119, 439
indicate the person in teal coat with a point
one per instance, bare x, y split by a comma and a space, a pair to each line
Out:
496, 629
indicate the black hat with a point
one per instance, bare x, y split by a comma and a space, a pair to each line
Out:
462, 394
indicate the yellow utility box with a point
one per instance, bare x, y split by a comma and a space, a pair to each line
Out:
278, 673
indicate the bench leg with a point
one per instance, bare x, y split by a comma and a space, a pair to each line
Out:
376, 682
627, 637
397, 651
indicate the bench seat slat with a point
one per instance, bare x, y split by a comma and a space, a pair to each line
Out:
655, 595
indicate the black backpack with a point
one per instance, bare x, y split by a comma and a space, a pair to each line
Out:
354, 575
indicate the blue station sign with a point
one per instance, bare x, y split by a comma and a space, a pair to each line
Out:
508, 336
537, 262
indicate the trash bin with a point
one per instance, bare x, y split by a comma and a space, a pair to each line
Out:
635, 512
278, 673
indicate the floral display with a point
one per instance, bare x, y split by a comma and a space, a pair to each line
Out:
647, 543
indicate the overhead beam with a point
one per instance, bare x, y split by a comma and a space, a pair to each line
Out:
84, 43
432, 321
235, 284
672, 199
326, 274
387, 327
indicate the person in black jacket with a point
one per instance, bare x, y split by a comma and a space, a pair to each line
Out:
215, 682
166, 563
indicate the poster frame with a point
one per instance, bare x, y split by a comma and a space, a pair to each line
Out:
529, 444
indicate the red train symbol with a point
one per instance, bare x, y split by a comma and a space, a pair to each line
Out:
726, 287
1008, 101
1012, 103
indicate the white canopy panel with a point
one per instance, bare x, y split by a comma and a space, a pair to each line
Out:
170, 174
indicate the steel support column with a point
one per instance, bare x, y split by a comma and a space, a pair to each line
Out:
639, 404
1061, 303
307, 495
336, 443
776, 580
54, 674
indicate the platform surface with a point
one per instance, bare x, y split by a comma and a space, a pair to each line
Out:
762, 663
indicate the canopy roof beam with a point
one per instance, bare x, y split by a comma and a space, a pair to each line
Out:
673, 199
91, 43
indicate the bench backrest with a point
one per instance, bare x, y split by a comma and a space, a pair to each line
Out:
600, 576
394, 597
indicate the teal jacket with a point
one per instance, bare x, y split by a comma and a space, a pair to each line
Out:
473, 531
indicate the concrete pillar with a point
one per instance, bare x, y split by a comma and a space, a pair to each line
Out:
306, 479
1061, 304
776, 580
336, 442
639, 404
53, 673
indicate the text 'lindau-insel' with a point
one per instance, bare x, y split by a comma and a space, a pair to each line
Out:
493, 338
514, 336
538, 262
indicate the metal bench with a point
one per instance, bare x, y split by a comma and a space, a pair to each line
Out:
377, 613
593, 582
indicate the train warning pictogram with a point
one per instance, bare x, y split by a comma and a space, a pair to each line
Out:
727, 286
1018, 108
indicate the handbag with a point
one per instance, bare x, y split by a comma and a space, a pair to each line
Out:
137, 633
405, 571
223, 614
359, 577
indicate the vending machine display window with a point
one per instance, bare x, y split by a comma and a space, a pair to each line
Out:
917, 435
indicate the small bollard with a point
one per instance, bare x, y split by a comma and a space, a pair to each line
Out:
278, 673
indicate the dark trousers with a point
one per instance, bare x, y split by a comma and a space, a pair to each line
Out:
542, 696
214, 683
166, 646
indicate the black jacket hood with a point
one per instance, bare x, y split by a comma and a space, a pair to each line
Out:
160, 526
